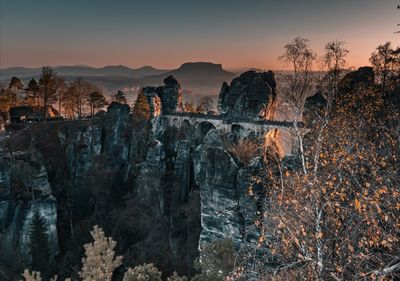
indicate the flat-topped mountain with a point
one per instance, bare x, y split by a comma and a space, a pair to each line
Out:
201, 70
203, 78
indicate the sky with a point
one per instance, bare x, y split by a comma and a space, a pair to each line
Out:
167, 33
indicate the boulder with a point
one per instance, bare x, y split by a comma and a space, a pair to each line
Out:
252, 95
314, 105
362, 76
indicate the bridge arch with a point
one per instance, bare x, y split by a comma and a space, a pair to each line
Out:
186, 123
235, 128
204, 127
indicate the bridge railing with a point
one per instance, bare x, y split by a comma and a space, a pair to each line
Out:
230, 120
195, 115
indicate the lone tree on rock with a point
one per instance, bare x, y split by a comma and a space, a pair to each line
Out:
120, 97
141, 108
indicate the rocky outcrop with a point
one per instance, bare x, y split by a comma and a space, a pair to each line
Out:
314, 106
202, 161
252, 95
218, 193
171, 96
24, 190
90, 172
228, 209
165, 99
160, 189
362, 76
249, 198
152, 170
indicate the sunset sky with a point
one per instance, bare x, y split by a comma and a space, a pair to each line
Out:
166, 33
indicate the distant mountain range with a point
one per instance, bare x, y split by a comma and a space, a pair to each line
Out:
111, 70
197, 78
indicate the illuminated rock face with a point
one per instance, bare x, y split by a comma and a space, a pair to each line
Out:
252, 95
165, 99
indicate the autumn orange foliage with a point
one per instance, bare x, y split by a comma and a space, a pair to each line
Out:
340, 220
245, 150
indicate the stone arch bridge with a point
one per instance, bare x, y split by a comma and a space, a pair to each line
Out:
281, 130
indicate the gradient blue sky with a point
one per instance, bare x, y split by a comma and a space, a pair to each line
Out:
166, 33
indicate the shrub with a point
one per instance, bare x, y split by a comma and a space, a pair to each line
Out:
34, 276
100, 260
216, 260
245, 150
145, 272
176, 277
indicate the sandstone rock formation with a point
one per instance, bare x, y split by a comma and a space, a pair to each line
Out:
363, 75
252, 95
24, 190
163, 189
227, 210
165, 99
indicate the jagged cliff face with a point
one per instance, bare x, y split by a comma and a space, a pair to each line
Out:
182, 183
228, 207
24, 189
252, 95
159, 189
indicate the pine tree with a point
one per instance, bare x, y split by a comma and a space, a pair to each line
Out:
120, 97
141, 109
39, 246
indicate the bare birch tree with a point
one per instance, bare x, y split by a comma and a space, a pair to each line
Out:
301, 58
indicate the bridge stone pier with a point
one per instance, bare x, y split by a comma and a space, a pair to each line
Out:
282, 131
